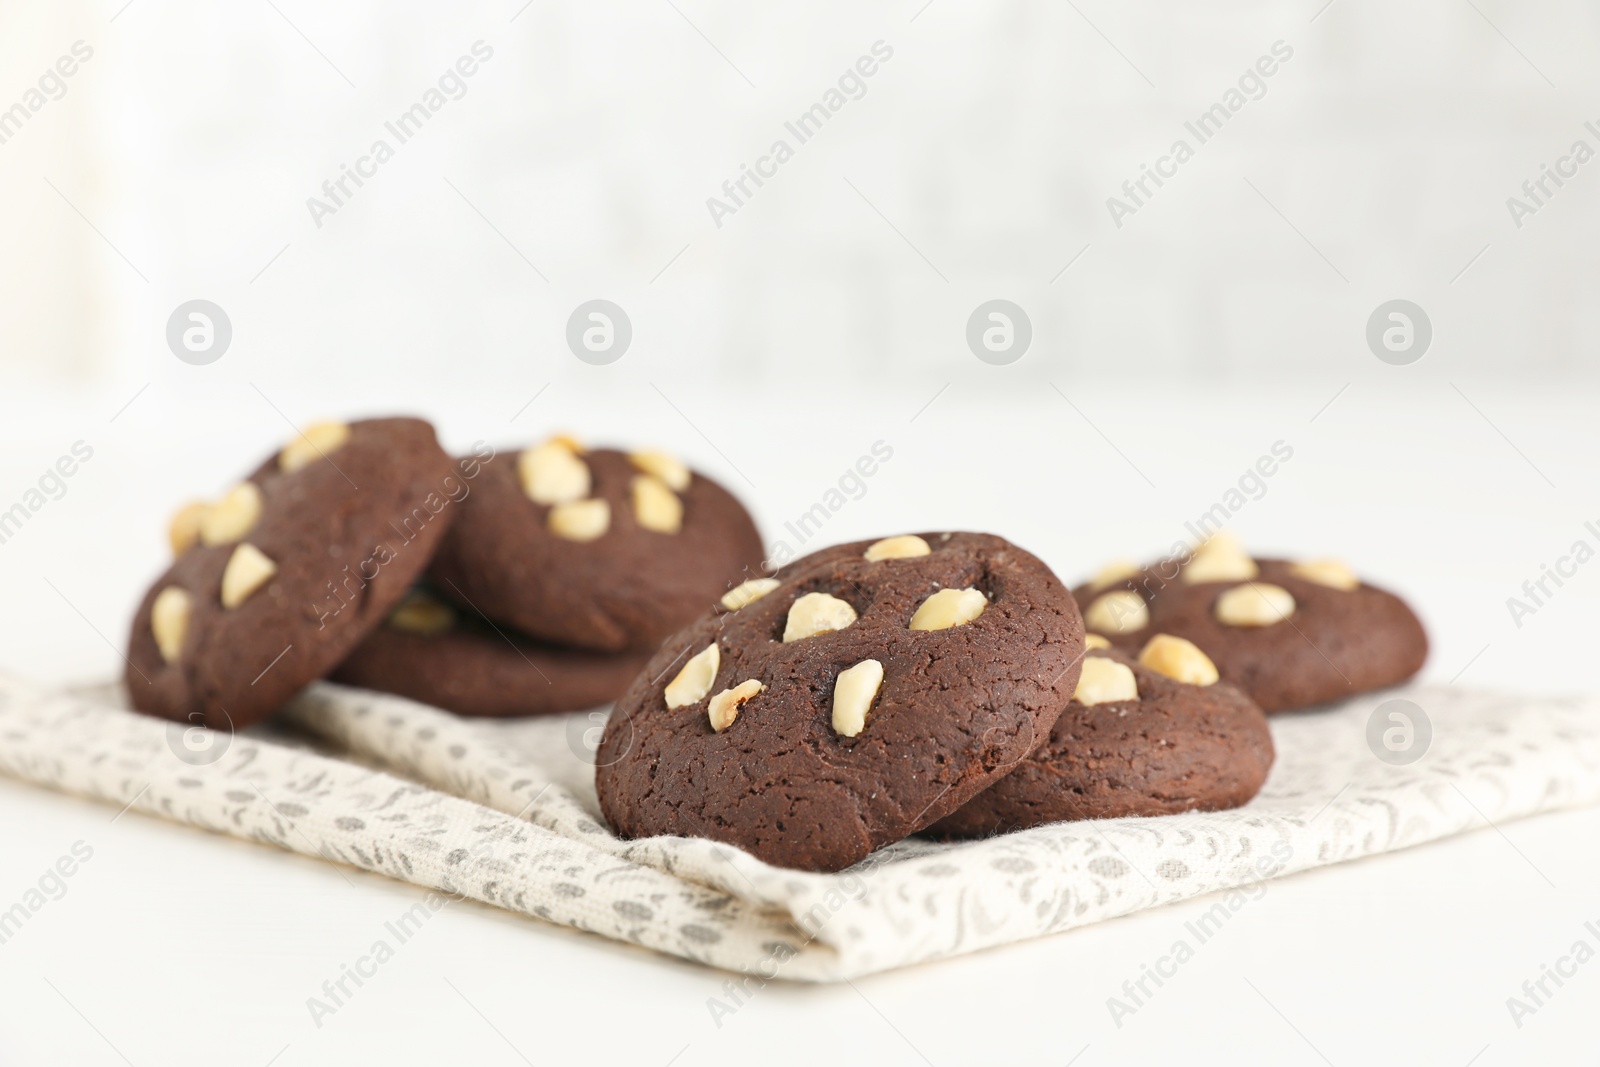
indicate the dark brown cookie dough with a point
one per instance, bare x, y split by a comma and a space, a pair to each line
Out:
431, 653
628, 587
821, 766
276, 582
1342, 637
1172, 748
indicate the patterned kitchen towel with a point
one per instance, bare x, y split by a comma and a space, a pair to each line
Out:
504, 812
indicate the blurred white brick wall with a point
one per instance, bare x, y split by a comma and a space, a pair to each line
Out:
991, 141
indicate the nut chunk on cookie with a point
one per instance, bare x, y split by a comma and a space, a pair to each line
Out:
248, 569
1117, 612
816, 613
232, 517
1105, 681
183, 529
552, 473
947, 608
862, 696
853, 693
581, 520
748, 592
313, 443
169, 621
905, 546
1290, 634
655, 506
693, 682
724, 707
1180, 660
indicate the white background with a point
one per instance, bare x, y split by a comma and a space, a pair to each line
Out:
828, 314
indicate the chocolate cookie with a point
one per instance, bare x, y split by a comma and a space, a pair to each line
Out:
278, 580
1289, 634
1132, 742
858, 696
599, 549
429, 652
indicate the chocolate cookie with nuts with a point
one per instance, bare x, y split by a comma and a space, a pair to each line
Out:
1153, 736
430, 652
1291, 634
279, 579
859, 695
596, 549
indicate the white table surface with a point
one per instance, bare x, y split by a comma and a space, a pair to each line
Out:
172, 946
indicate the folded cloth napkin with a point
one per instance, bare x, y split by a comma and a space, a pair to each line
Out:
504, 812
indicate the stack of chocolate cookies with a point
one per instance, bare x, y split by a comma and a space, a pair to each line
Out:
522, 584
